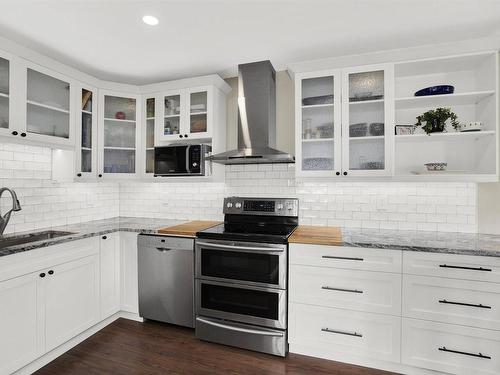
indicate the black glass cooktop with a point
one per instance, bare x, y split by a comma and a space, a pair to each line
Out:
266, 229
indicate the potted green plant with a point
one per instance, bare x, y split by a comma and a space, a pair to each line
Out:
434, 121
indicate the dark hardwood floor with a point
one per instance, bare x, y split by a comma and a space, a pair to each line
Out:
126, 347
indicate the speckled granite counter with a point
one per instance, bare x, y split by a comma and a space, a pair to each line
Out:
92, 228
434, 242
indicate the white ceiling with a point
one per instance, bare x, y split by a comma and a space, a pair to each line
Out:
108, 39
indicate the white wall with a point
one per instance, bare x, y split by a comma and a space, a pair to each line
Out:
46, 203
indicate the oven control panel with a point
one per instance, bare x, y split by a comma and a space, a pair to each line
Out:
261, 206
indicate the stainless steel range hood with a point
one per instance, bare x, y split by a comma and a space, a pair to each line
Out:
256, 118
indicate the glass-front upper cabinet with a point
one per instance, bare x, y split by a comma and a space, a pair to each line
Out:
368, 120
119, 134
149, 136
86, 157
4, 93
48, 107
318, 125
186, 115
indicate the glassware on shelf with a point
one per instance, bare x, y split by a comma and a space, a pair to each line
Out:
307, 130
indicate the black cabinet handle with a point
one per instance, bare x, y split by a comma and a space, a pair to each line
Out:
23, 134
466, 268
15, 133
345, 173
185, 135
478, 355
51, 272
464, 304
180, 135
337, 173
42, 274
342, 332
342, 258
342, 289
104, 237
99, 175
79, 174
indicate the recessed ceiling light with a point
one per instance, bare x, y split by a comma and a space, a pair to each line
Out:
150, 20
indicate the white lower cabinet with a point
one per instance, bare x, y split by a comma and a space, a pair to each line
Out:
20, 322
470, 303
129, 283
71, 300
110, 274
350, 289
450, 348
341, 333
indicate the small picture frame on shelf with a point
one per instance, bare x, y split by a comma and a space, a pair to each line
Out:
404, 129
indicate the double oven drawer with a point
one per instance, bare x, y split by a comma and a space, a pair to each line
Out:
242, 282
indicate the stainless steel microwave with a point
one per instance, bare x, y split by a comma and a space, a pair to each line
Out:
181, 160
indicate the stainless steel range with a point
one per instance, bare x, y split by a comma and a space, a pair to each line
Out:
241, 275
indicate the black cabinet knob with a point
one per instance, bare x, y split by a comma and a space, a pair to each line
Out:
104, 237
345, 173
42, 274
337, 173
180, 135
79, 174
185, 135
51, 272
23, 134
99, 175
15, 133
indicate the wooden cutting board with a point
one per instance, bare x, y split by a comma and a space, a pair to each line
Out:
189, 228
309, 234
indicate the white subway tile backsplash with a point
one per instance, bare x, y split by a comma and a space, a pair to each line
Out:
384, 205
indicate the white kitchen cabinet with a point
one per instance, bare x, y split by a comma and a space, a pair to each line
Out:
21, 322
86, 129
6, 113
376, 99
71, 295
110, 274
367, 120
186, 114
148, 136
129, 282
119, 134
318, 130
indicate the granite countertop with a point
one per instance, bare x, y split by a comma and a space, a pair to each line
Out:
91, 229
433, 242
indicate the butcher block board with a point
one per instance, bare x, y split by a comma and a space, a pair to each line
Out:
309, 234
189, 228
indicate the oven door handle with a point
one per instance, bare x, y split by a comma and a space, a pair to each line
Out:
231, 247
238, 329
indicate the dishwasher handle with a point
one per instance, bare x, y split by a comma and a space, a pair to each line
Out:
163, 249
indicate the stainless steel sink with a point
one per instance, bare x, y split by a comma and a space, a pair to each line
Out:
32, 237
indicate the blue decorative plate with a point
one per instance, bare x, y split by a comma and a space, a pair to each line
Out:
436, 90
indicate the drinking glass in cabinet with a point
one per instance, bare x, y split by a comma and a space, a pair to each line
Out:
119, 134
172, 105
366, 86
119, 108
119, 161
47, 91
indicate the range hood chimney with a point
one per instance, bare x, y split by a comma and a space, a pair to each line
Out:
256, 118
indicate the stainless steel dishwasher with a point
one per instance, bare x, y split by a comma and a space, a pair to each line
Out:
166, 279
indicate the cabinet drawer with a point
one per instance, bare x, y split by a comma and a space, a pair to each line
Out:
450, 348
346, 257
465, 267
378, 292
472, 303
340, 332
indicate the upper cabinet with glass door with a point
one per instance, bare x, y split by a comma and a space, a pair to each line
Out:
149, 136
4, 95
368, 120
318, 124
187, 114
86, 156
48, 108
119, 134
